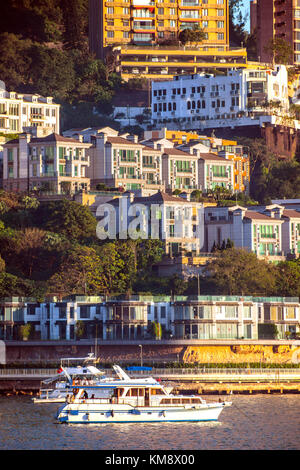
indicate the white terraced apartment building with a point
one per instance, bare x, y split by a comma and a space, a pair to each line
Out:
207, 100
21, 111
184, 317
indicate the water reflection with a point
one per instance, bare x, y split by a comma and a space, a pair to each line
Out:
257, 422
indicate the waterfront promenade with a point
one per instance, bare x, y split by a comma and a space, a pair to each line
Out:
222, 380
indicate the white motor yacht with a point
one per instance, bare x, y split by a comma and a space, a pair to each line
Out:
127, 400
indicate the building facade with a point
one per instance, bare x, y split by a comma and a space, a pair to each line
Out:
124, 162
53, 164
141, 37
148, 22
178, 317
174, 220
278, 19
228, 149
161, 63
271, 232
20, 112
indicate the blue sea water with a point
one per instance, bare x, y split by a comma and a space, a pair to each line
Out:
258, 422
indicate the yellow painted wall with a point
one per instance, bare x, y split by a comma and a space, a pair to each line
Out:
241, 353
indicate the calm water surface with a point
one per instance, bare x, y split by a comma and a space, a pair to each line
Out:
258, 422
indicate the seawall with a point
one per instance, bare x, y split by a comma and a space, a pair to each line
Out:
198, 351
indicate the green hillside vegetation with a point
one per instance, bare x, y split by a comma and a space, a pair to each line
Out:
44, 49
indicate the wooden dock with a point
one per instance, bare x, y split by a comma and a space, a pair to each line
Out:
238, 388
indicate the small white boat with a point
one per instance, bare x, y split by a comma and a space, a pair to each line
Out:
127, 400
55, 389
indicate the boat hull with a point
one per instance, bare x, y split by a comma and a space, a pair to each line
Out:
92, 414
49, 400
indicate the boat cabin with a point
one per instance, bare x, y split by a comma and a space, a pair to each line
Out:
135, 396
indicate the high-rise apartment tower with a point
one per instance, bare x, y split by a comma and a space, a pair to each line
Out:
278, 19
151, 22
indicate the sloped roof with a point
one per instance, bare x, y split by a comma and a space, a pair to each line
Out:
176, 151
213, 156
49, 138
121, 140
291, 214
252, 215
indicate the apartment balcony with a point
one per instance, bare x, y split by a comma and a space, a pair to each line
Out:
65, 174
117, 3
48, 174
143, 3
189, 18
149, 28
221, 177
182, 171
149, 165
35, 158
37, 117
266, 236
186, 6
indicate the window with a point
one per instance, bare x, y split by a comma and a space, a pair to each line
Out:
10, 155
84, 311
125, 34
126, 11
160, 11
110, 11
110, 34
205, 12
220, 24
220, 13
221, 36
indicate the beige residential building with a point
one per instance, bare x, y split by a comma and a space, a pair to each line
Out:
179, 169
176, 221
53, 163
215, 172
254, 229
123, 162
20, 112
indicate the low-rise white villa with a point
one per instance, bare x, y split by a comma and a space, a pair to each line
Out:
20, 112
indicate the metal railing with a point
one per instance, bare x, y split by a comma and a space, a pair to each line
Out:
170, 372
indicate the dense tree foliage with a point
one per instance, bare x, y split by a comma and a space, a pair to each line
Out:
44, 49
238, 34
270, 178
194, 34
52, 248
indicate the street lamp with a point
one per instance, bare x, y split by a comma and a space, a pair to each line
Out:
140, 346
